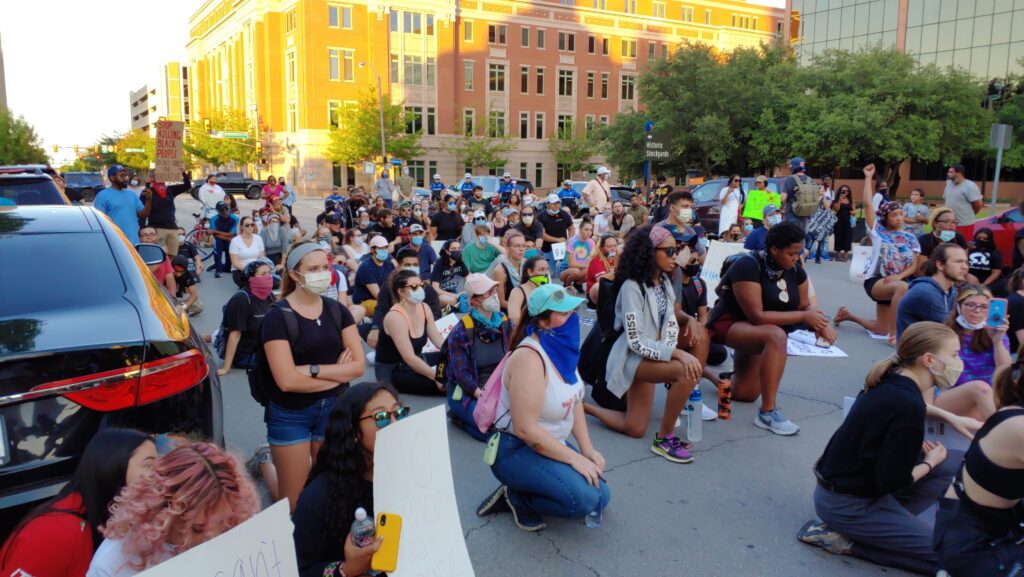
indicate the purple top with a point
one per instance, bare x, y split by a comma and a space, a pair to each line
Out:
978, 366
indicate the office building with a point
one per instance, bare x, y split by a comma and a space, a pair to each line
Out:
527, 68
165, 96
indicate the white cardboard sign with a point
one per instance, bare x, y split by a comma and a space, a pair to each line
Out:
716, 255
444, 326
412, 478
859, 263
261, 547
803, 344
558, 251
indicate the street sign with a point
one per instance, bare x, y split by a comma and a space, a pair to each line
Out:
656, 145
234, 134
139, 150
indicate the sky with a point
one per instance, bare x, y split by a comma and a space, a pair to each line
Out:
94, 54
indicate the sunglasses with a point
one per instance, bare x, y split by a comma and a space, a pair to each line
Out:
384, 418
247, 225
670, 251
735, 180
415, 286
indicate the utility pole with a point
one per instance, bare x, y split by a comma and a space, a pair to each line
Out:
380, 114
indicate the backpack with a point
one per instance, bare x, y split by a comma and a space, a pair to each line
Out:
806, 197
220, 336
598, 345
261, 380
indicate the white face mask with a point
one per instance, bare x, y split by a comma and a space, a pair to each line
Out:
317, 282
960, 320
181, 238
417, 296
527, 219
686, 215
774, 219
491, 304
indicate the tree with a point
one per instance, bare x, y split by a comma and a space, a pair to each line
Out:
622, 143
357, 137
137, 160
482, 151
571, 150
221, 151
19, 143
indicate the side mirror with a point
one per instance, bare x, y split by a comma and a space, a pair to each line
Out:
151, 253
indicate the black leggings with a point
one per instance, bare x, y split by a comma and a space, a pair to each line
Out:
966, 549
407, 381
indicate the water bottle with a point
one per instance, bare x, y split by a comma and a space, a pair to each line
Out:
363, 531
694, 420
593, 519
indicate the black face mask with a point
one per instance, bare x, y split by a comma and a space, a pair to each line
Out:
983, 244
692, 270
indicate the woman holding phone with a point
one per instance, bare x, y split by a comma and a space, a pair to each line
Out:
983, 349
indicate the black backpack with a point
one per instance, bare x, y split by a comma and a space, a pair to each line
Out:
220, 338
598, 346
261, 379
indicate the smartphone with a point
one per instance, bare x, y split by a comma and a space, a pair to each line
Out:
997, 313
389, 526
823, 342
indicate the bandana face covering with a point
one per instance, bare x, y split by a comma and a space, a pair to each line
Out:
562, 345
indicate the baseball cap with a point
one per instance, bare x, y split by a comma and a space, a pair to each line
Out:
467, 175
332, 219
479, 214
551, 297
507, 175
603, 170
565, 182
553, 199
415, 228
221, 204
115, 169
680, 234
478, 284
768, 210
761, 178
329, 203
378, 242
437, 177
796, 164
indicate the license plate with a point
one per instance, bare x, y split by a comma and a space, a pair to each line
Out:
5, 453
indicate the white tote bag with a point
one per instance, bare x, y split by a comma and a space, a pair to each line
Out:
859, 263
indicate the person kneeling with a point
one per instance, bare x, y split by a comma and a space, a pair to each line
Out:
400, 361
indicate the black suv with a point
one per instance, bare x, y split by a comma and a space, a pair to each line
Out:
114, 352
28, 184
83, 186
233, 183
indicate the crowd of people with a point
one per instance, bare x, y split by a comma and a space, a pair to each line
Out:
516, 270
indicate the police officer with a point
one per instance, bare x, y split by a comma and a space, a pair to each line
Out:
436, 188
467, 186
506, 187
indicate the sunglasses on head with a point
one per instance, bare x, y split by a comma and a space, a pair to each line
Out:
384, 418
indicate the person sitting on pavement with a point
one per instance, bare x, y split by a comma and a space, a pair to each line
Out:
646, 354
506, 269
338, 289
341, 482
478, 203
400, 360
983, 350
540, 472
122, 204
734, 234
602, 265
877, 473
531, 228
893, 256
558, 227
191, 253
447, 223
185, 286
424, 252
478, 255
449, 274
978, 525
407, 260
246, 247
193, 494
276, 237
476, 346
761, 297
163, 272
943, 231
387, 227
637, 210
986, 262
535, 274
58, 537
223, 227
354, 250
476, 219
579, 252
692, 303
372, 274
932, 297
243, 315
771, 216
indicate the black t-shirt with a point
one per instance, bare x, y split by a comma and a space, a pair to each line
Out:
928, 242
183, 282
1015, 308
1018, 258
161, 212
752, 268
448, 225
692, 295
533, 232
555, 225
480, 204
315, 549
244, 312
446, 276
316, 344
190, 252
983, 262
390, 233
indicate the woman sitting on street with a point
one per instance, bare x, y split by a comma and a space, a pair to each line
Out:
245, 248
449, 274
475, 347
540, 472
579, 252
645, 353
243, 316
762, 296
983, 350
878, 474
506, 268
399, 360
602, 265
535, 274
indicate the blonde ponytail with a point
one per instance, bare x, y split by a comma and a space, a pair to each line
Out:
920, 338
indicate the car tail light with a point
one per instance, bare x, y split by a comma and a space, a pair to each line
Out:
138, 384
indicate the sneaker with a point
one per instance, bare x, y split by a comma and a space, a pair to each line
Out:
820, 535
527, 521
671, 448
217, 274
776, 423
496, 502
707, 414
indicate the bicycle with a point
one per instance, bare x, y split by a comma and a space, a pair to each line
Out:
200, 237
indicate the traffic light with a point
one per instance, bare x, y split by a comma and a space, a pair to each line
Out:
96, 149
259, 149
76, 150
55, 148
206, 126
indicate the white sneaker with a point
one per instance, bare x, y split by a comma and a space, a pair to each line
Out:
775, 422
371, 357
707, 414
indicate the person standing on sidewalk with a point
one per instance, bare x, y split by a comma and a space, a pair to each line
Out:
597, 192
161, 214
122, 205
962, 195
289, 196
223, 227
210, 193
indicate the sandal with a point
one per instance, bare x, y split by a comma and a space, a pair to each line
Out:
261, 456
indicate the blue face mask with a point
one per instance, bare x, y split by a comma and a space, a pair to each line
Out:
505, 212
417, 240
451, 206
531, 253
748, 227
947, 235
381, 254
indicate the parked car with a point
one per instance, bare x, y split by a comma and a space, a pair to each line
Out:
28, 184
115, 352
618, 192
83, 186
1004, 226
523, 186
489, 184
707, 205
234, 183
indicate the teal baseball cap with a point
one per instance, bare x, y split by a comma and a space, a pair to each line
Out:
551, 297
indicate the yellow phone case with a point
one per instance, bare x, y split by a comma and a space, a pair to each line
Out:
389, 526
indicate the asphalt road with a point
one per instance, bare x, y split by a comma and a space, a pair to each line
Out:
734, 511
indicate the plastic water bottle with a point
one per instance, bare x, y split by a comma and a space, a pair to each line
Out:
694, 420
363, 531
593, 519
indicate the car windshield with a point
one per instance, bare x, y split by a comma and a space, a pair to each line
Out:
83, 179
490, 183
22, 192
84, 257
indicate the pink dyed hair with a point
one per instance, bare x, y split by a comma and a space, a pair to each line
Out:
193, 478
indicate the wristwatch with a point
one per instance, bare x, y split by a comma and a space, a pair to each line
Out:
314, 371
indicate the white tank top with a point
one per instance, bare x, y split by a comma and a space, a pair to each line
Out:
560, 399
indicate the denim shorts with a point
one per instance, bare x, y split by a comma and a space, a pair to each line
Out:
294, 426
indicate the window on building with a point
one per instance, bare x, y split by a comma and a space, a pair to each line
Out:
430, 24
289, 66
541, 39
651, 47
413, 68
567, 42
432, 167
540, 81
603, 120
431, 70
468, 121
628, 48
604, 85
630, 6
467, 31
339, 172
496, 77
417, 171
591, 44
601, 4
496, 124
393, 18
413, 119
561, 173
467, 74
588, 124
538, 128
590, 84
568, 2
431, 120
339, 16
659, 10
523, 168
628, 87
687, 14
524, 125
293, 116
524, 37
538, 176
605, 42
496, 34
289, 21
565, 127
753, 23
348, 65
334, 113
524, 79
413, 22
707, 16
565, 81
395, 66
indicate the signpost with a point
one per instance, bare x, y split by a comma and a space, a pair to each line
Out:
655, 148
169, 162
138, 150
1000, 138
234, 134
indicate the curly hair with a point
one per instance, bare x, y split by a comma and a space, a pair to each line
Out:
637, 259
193, 478
342, 460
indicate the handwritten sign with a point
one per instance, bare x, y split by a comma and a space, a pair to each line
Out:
169, 161
717, 253
757, 200
261, 547
444, 326
558, 251
412, 477
803, 344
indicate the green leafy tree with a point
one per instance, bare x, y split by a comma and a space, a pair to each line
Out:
622, 143
489, 150
222, 151
357, 137
572, 150
19, 143
137, 160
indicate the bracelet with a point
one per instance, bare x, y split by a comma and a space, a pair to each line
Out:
930, 468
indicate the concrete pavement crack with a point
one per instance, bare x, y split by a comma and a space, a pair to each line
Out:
558, 552
812, 399
478, 527
628, 463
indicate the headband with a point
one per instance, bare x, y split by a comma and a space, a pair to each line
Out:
300, 252
886, 207
658, 234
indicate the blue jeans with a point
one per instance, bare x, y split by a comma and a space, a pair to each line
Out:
463, 411
543, 486
810, 245
221, 260
555, 268
295, 426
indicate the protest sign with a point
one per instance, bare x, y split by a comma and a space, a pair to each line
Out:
757, 200
804, 344
717, 253
412, 478
437, 245
261, 547
860, 263
169, 162
558, 251
444, 326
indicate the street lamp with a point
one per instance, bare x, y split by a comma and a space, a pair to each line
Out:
380, 110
